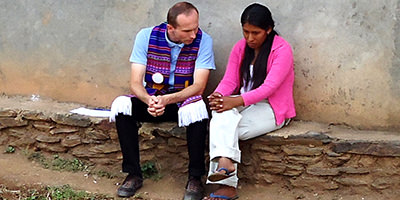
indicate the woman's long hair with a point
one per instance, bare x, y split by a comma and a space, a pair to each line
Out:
260, 16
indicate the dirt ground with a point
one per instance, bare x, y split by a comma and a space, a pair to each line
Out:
18, 172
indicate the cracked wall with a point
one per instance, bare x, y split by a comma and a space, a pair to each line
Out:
347, 60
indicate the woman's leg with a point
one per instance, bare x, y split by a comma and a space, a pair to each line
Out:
225, 131
224, 143
257, 119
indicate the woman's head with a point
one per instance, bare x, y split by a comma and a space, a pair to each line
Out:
257, 15
257, 23
258, 30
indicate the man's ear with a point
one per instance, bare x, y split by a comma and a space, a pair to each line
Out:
170, 27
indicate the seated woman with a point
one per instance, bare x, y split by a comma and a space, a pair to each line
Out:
254, 97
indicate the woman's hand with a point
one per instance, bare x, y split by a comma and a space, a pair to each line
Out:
220, 103
215, 100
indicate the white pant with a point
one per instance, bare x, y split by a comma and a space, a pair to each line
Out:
228, 127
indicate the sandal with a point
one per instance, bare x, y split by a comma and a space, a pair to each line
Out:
217, 176
212, 195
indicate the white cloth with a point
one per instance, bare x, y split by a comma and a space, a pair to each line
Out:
193, 112
121, 104
228, 127
190, 113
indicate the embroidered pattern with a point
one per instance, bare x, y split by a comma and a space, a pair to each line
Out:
159, 60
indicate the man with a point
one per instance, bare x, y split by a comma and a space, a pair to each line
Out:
174, 60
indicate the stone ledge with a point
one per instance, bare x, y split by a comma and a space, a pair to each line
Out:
303, 154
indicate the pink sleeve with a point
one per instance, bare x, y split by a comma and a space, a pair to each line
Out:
281, 64
230, 81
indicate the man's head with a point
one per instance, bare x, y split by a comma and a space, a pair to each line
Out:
183, 23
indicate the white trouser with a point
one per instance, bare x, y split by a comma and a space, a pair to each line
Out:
241, 123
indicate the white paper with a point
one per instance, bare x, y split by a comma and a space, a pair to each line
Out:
91, 112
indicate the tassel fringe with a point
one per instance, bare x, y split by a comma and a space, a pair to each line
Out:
192, 112
187, 114
121, 104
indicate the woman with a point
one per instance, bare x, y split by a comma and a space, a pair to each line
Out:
254, 97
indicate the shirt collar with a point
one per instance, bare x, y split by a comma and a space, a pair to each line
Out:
172, 44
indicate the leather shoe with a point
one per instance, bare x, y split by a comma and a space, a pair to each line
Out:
130, 185
194, 189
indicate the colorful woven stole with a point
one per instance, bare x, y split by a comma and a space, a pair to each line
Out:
159, 61
192, 109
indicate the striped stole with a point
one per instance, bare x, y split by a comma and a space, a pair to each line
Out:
159, 61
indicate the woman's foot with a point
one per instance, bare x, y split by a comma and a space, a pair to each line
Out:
226, 163
225, 170
224, 192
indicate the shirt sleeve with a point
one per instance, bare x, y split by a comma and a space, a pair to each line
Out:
205, 56
140, 47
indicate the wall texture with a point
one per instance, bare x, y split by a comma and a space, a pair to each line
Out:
347, 59
292, 157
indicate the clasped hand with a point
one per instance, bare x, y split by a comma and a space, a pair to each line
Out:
156, 106
221, 103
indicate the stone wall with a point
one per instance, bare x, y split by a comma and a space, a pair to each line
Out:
309, 160
317, 161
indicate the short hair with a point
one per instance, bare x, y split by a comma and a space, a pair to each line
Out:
177, 9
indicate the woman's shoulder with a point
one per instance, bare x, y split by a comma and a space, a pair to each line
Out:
280, 42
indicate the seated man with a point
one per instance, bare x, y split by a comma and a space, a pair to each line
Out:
174, 60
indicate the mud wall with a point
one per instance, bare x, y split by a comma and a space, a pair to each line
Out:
347, 60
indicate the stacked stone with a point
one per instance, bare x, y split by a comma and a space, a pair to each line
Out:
311, 160
316, 161
91, 139
87, 138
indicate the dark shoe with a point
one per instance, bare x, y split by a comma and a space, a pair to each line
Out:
194, 189
130, 185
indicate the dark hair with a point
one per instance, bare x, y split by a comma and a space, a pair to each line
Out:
177, 9
260, 16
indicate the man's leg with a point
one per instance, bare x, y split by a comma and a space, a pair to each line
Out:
127, 130
196, 136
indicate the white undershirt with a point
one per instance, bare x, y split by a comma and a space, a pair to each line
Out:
250, 85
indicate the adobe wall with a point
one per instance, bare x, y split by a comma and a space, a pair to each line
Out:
347, 60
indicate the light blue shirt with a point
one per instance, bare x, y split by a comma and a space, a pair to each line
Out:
205, 56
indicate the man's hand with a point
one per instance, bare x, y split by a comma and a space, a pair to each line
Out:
163, 100
155, 109
220, 103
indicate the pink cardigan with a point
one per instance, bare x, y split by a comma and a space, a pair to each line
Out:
277, 86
